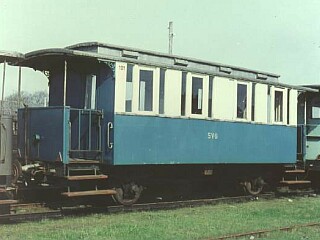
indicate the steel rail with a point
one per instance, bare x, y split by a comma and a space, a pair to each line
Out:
35, 216
186, 203
265, 231
87, 210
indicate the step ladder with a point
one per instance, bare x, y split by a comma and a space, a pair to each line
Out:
83, 178
295, 176
5, 201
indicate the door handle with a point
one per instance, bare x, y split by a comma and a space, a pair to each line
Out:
109, 128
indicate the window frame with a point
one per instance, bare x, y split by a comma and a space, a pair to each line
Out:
201, 100
136, 90
205, 95
284, 107
247, 118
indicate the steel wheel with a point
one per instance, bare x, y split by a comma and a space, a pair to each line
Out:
16, 171
128, 194
254, 187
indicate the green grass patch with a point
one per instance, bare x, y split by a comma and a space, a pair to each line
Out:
188, 223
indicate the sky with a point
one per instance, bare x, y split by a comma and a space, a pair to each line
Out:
277, 36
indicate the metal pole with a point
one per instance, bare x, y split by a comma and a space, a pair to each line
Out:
3, 82
19, 88
65, 83
170, 37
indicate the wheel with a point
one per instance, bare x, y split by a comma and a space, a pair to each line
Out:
254, 187
128, 194
16, 171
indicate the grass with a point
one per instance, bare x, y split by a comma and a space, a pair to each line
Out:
188, 223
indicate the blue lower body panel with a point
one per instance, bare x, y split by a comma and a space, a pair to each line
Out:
158, 140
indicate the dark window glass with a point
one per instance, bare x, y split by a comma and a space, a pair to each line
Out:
183, 93
129, 88
161, 91
278, 106
197, 92
242, 101
146, 90
210, 97
253, 100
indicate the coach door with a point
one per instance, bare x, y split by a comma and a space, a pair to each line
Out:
105, 102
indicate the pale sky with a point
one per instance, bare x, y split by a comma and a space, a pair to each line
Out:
281, 37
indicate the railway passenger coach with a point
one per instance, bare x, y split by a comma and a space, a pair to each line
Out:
138, 117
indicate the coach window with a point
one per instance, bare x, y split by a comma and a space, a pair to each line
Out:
288, 106
145, 90
129, 88
278, 106
90, 96
197, 95
242, 101
210, 97
183, 93
315, 107
253, 98
161, 90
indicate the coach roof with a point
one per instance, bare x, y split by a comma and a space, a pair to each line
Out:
95, 51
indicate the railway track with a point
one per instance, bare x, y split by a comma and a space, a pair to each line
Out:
38, 211
34, 216
265, 231
188, 203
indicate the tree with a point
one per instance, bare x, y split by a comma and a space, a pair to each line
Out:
36, 99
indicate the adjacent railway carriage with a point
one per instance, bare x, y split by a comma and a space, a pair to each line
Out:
139, 117
7, 136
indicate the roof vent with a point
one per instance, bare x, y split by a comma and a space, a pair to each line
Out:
225, 70
261, 76
180, 62
129, 54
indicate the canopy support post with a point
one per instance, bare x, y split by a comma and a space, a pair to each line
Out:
3, 82
65, 83
19, 87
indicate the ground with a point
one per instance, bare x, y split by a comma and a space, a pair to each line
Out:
206, 222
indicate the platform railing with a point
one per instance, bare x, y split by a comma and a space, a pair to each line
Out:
85, 133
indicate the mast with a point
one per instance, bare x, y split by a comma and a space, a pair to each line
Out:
170, 36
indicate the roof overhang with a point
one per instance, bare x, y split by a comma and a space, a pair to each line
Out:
10, 57
44, 59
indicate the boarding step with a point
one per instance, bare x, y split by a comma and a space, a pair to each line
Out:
8, 202
83, 161
89, 193
295, 182
82, 169
86, 177
297, 166
295, 171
